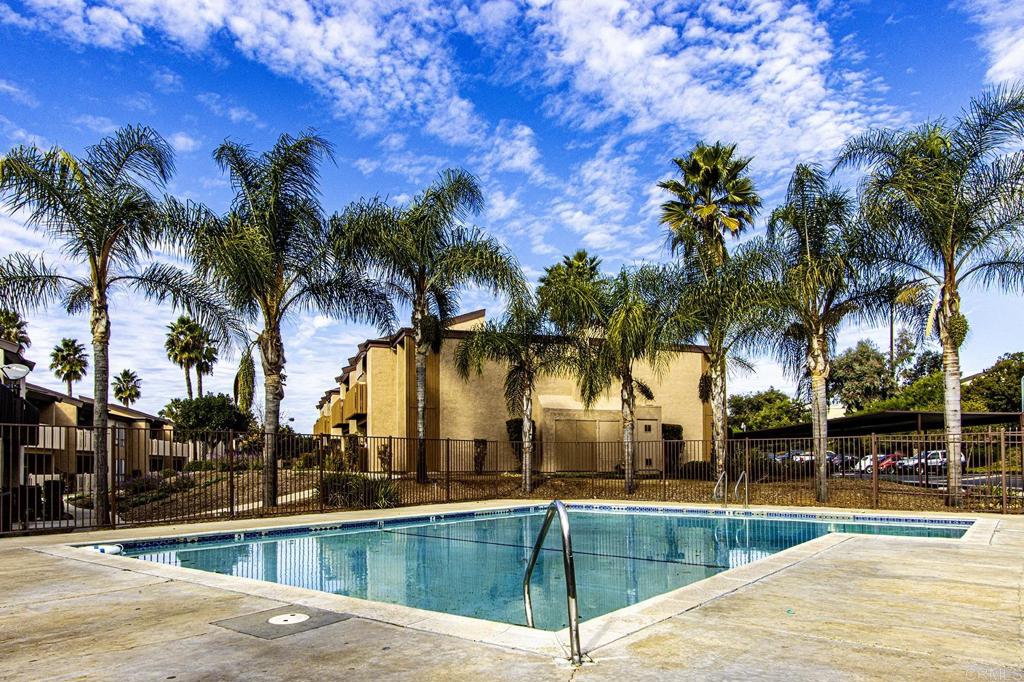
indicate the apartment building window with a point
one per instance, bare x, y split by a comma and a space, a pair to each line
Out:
84, 464
156, 464
119, 437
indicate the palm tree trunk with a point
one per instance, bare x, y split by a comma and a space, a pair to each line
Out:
951, 412
716, 372
188, 382
418, 319
528, 440
199, 383
100, 327
818, 368
628, 430
69, 388
272, 355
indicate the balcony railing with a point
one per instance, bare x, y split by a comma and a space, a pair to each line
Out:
354, 405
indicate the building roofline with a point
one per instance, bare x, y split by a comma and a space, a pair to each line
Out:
116, 409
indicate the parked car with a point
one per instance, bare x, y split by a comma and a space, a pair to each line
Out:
885, 463
808, 455
891, 464
936, 460
843, 462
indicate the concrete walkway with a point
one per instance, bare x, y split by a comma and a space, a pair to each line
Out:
871, 607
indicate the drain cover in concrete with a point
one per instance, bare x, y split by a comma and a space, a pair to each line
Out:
281, 622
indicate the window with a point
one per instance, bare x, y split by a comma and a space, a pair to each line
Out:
647, 428
119, 437
84, 464
156, 463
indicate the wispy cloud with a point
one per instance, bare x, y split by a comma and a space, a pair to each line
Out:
183, 142
218, 105
1002, 37
17, 93
166, 80
97, 124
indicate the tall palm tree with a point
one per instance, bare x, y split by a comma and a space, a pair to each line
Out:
102, 208
714, 197
68, 362
944, 203
127, 387
822, 283
723, 304
273, 256
526, 343
618, 323
426, 254
207, 359
184, 346
13, 328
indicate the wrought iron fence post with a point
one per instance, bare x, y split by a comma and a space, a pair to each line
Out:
447, 470
874, 471
391, 458
231, 473
746, 470
320, 471
1002, 465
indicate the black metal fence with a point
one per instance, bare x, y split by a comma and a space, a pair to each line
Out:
48, 473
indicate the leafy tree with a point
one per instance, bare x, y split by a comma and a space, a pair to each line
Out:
245, 381
127, 387
766, 409
272, 255
426, 254
860, 375
206, 417
722, 304
184, 346
923, 395
999, 386
944, 203
617, 323
527, 345
823, 283
903, 353
715, 196
924, 364
69, 362
13, 328
102, 210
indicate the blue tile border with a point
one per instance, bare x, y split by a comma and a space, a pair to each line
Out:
260, 533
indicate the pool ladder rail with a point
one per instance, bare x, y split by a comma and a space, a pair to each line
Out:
721, 490
557, 507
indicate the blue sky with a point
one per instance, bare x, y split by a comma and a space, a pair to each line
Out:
569, 112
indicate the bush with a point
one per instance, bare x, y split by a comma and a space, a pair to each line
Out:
697, 471
345, 489
168, 473
141, 484
671, 432
201, 465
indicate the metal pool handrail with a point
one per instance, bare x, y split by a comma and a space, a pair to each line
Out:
746, 489
724, 476
557, 507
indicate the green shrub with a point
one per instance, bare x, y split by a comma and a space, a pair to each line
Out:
201, 465
345, 489
671, 432
698, 470
168, 473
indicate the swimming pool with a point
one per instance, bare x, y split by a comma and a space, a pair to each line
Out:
472, 564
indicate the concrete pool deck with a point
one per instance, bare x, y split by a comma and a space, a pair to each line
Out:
843, 607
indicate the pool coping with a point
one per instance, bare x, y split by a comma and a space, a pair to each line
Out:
594, 633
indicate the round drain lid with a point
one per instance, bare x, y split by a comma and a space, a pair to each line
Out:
288, 619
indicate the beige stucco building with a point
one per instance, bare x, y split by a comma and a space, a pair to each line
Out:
376, 396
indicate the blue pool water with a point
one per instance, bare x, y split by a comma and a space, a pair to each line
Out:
473, 566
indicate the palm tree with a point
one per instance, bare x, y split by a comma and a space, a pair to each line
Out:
184, 346
714, 197
13, 328
943, 200
525, 342
822, 282
617, 323
101, 207
69, 362
127, 387
724, 305
273, 257
426, 255
244, 386
207, 359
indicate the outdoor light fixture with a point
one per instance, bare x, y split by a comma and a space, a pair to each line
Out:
14, 372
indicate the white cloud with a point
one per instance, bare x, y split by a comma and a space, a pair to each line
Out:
97, 124
1002, 37
17, 93
224, 108
758, 73
183, 142
165, 80
19, 135
513, 148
